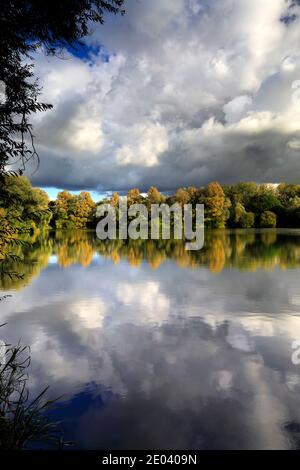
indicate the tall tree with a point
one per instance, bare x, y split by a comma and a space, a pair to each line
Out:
217, 205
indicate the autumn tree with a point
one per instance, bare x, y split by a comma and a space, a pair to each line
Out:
217, 205
84, 208
61, 209
182, 196
154, 196
193, 194
133, 197
72, 211
115, 199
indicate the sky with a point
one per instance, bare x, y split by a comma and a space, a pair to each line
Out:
175, 93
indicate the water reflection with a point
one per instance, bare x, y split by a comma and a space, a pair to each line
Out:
244, 250
152, 349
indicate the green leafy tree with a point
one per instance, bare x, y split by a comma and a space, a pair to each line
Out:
265, 200
239, 212
289, 195
22, 203
247, 220
242, 192
268, 219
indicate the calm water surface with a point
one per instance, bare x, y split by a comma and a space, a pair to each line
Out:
155, 347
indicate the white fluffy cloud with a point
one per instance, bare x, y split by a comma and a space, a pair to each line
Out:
192, 91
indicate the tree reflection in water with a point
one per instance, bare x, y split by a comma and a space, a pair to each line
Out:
245, 250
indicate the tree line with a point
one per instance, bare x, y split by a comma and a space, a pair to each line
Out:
242, 205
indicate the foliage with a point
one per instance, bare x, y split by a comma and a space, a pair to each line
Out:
115, 199
182, 196
71, 211
238, 213
264, 200
154, 196
25, 210
241, 192
217, 205
238, 206
268, 219
289, 194
133, 197
247, 220
21, 201
23, 213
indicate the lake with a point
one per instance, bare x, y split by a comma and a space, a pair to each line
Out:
154, 347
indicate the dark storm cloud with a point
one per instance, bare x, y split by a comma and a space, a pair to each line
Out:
192, 92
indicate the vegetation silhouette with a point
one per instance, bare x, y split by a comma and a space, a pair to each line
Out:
23, 420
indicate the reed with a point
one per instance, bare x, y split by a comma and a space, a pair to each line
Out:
23, 420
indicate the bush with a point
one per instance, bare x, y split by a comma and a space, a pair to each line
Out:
268, 219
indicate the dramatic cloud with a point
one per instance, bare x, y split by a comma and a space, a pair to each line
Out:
181, 92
